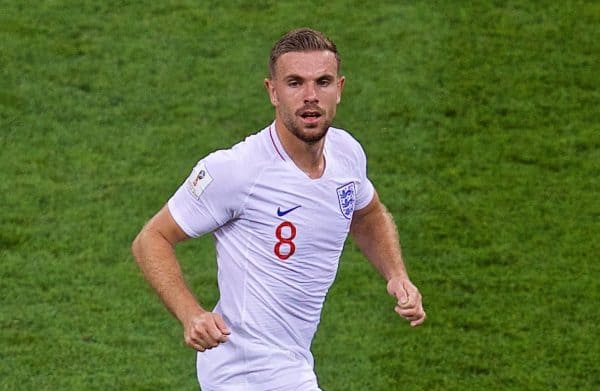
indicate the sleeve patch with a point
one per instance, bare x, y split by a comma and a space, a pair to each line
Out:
199, 180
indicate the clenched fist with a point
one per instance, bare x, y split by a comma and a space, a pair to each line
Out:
205, 330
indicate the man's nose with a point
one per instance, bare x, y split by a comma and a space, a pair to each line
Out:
310, 93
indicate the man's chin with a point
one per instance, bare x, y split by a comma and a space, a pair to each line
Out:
307, 132
312, 134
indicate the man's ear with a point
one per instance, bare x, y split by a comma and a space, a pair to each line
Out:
341, 82
271, 90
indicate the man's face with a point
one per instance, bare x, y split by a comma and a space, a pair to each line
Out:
305, 91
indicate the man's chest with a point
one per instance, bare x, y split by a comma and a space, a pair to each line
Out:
300, 219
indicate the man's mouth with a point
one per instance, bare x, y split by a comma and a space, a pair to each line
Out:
310, 114
311, 118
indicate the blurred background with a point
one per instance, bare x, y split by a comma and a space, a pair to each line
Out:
481, 124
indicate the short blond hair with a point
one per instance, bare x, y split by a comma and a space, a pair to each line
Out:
301, 40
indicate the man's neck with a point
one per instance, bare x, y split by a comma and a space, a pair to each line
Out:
308, 157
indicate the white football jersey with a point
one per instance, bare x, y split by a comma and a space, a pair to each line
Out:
279, 235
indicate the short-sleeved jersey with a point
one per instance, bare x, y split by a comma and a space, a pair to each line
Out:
279, 235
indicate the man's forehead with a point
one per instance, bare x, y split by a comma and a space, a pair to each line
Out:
307, 62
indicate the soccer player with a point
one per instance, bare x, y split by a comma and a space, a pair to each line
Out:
280, 205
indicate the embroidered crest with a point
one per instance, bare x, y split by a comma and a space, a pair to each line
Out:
347, 197
199, 180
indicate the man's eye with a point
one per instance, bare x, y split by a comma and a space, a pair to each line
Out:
324, 83
293, 84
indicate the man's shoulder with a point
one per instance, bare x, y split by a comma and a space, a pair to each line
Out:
342, 141
233, 169
250, 153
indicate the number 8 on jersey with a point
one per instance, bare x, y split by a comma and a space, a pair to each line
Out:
285, 234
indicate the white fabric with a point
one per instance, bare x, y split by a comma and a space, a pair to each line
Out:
271, 305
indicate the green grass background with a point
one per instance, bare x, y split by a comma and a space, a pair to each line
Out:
481, 122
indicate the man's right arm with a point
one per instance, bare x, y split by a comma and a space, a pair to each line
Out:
154, 251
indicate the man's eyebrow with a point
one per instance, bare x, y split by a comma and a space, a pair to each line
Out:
293, 76
326, 77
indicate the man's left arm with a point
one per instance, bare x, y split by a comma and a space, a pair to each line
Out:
374, 231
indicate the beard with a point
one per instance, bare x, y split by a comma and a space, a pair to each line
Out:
310, 134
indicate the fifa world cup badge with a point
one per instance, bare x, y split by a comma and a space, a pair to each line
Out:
199, 180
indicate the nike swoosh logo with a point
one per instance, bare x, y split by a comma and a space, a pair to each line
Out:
281, 213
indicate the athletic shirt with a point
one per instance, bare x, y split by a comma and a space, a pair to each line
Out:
279, 235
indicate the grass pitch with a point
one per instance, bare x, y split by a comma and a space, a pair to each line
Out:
481, 125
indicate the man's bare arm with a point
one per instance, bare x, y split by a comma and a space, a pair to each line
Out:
374, 231
154, 252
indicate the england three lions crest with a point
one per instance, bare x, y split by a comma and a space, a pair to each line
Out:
347, 198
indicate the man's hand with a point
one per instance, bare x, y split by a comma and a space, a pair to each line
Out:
410, 305
205, 330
